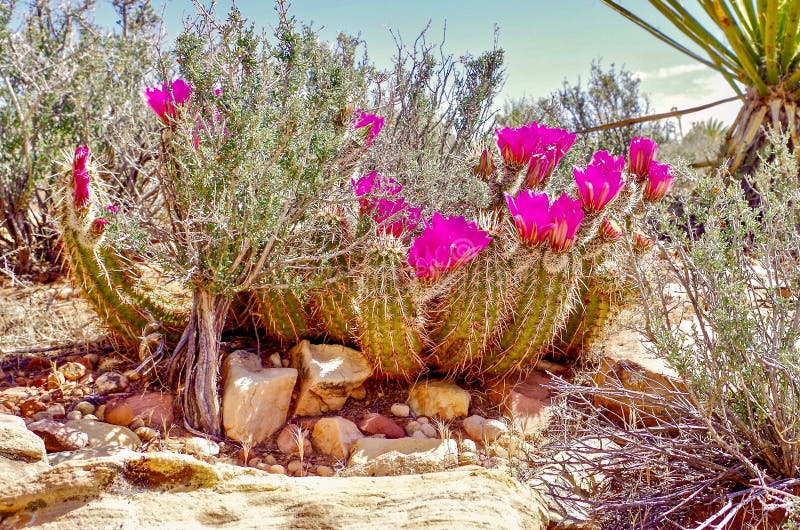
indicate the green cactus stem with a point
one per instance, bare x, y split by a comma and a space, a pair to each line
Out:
466, 317
389, 328
601, 298
333, 312
283, 315
540, 308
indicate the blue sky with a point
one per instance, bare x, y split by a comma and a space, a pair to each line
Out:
546, 41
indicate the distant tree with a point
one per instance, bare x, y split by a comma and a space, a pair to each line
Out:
608, 96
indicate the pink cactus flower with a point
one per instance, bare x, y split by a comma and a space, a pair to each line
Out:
641, 152
642, 242
371, 124
166, 98
659, 181
445, 245
396, 217
80, 177
610, 229
113, 209
99, 226
374, 183
518, 146
531, 214
566, 215
601, 181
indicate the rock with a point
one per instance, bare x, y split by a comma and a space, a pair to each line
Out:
335, 436
275, 360
328, 375
428, 430
412, 427
102, 434
422, 420
376, 457
54, 380
483, 430
626, 365
439, 398
74, 415
324, 471
119, 414
276, 469
468, 445
146, 434
359, 393
420, 434
162, 490
19, 443
288, 438
111, 383
57, 436
270, 460
255, 400
15, 394
379, 424
294, 467
201, 447
136, 424
400, 410
154, 408
84, 407
72, 371
31, 406
528, 404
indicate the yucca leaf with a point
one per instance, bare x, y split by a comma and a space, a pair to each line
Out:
789, 46
771, 41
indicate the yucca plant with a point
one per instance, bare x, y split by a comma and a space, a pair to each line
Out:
758, 56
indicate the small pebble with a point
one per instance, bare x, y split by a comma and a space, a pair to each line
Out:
74, 415
136, 423
201, 447
400, 410
423, 420
428, 429
277, 469
295, 467
121, 414
419, 434
254, 462
72, 371
100, 411
324, 471
275, 360
358, 393
90, 417
270, 460
146, 433
412, 427
469, 446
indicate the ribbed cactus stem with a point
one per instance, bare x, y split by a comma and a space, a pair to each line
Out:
541, 307
468, 314
390, 331
283, 315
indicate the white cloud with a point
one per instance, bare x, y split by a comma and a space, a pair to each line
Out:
692, 92
669, 72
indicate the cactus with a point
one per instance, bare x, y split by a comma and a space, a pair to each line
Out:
118, 295
389, 328
466, 317
283, 314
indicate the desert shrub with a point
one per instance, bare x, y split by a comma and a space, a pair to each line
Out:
65, 80
721, 306
609, 95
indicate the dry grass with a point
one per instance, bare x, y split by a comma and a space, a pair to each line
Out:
34, 317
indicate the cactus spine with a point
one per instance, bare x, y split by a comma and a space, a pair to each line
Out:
283, 315
389, 328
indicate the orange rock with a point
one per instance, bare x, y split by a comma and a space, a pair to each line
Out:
120, 414
154, 408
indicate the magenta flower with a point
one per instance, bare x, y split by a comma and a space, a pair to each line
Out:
80, 177
531, 214
445, 245
539, 147
611, 229
641, 152
165, 99
371, 124
113, 209
374, 183
99, 226
659, 181
566, 215
396, 216
601, 181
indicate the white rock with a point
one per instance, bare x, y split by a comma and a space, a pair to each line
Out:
335, 436
429, 430
482, 430
255, 400
18, 443
468, 446
439, 398
105, 434
201, 447
401, 456
419, 434
328, 375
412, 427
400, 410
275, 360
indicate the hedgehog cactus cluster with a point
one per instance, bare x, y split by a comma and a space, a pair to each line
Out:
419, 290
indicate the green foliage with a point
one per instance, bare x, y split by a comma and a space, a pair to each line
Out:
64, 81
609, 96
